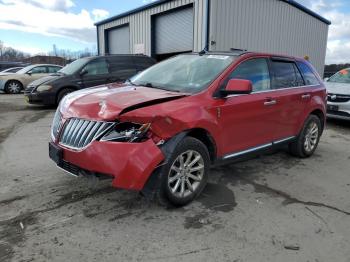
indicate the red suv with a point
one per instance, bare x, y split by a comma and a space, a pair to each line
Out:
163, 129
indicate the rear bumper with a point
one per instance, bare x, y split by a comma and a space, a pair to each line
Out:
129, 164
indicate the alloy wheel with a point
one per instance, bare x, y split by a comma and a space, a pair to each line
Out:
186, 173
311, 137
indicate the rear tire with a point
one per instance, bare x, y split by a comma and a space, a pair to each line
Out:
307, 141
13, 87
185, 175
63, 93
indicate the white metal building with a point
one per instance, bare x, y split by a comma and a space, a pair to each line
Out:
167, 27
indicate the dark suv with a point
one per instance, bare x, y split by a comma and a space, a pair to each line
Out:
83, 73
162, 130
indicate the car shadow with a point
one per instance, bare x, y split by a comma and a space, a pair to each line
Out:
338, 123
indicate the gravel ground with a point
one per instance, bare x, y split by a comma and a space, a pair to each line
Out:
271, 208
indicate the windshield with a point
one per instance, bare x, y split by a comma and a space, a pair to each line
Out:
184, 73
73, 67
343, 76
25, 70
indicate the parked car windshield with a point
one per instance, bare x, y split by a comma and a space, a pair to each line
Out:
25, 70
73, 67
184, 73
343, 76
11, 70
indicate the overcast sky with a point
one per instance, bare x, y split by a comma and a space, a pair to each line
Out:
35, 25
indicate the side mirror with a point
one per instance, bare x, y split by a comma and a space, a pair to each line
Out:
29, 73
237, 87
326, 79
83, 72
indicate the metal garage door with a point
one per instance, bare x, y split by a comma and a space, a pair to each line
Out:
174, 32
119, 40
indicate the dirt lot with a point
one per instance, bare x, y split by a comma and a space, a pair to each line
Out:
272, 208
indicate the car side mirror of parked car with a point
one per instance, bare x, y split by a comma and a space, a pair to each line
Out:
237, 87
326, 79
29, 73
83, 72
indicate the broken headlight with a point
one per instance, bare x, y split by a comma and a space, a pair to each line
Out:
127, 132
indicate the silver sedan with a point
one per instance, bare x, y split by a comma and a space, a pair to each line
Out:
338, 88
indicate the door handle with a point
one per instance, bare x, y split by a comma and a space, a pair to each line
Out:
270, 102
306, 96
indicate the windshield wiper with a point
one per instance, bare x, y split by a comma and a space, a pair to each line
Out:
160, 87
130, 82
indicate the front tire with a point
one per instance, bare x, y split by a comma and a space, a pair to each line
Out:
186, 173
63, 93
13, 87
307, 141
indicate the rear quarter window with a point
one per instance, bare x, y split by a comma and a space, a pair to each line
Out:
308, 74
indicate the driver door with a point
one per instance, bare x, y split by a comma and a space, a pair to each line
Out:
247, 122
95, 73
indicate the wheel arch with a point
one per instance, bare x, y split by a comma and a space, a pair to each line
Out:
62, 88
319, 113
207, 139
15, 80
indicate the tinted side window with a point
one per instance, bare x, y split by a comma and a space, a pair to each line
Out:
122, 67
309, 76
143, 62
38, 70
119, 63
255, 70
97, 67
53, 69
285, 74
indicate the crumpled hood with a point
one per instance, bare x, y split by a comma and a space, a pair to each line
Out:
108, 102
338, 88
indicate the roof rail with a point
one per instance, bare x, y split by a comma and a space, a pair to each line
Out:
238, 50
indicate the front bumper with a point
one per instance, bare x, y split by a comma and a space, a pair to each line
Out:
342, 110
2, 85
44, 98
129, 164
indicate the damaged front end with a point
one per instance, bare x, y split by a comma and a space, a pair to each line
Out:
127, 132
118, 138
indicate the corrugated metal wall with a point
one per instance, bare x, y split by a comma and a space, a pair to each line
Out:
140, 25
256, 25
270, 26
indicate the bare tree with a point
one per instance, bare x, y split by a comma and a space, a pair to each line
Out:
54, 49
1, 49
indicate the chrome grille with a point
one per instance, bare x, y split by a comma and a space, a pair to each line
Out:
338, 98
78, 133
56, 124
